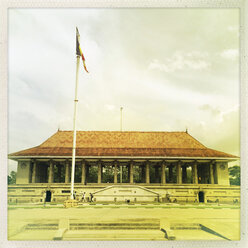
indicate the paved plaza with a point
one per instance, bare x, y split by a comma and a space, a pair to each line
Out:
124, 222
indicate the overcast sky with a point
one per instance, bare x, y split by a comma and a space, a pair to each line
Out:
170, 69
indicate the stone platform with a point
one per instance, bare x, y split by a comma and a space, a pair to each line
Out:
184, 193
124, 222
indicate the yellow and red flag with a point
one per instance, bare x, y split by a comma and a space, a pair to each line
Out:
79, 50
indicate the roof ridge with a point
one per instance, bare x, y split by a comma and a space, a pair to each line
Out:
107, 131
196, 140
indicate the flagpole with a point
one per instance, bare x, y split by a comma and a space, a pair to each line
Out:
74, 130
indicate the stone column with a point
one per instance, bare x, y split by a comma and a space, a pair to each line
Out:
147, 172
99, 180
34, 171
131, 172
211, 172
179, 172
163, 177
83, 173
67, 171
51, 167
195, 173
115, 172
170, 173
121, 174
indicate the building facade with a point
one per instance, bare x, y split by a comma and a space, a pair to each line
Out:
123, 167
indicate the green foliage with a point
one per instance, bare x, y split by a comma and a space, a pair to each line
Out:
189, 176
108, 175
125, 178
92, 174
234, 175
78, 173
12, 178
137, 174
59, 173
155, 174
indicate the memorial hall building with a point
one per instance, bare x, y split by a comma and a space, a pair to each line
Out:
123, 166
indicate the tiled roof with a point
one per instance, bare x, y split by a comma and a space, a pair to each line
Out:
114, 143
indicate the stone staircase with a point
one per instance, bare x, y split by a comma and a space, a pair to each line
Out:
114, 235
130, 229
190, 231
42, 226
185, 226
118, 229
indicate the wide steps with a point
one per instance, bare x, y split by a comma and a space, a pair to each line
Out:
130, 229
114, 234
185, 226
41, 226
113, 226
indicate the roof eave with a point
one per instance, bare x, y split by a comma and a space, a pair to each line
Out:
124, 157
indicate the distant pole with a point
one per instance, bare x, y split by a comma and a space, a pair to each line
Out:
74, 130
121, 131
121, 117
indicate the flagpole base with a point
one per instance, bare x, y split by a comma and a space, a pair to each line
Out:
70, 203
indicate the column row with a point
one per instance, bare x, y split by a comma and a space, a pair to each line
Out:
160, 177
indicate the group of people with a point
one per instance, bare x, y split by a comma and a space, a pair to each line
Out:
83, 197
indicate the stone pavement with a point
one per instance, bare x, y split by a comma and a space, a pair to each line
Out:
124, 222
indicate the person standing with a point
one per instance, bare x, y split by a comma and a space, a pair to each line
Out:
91, 197
83, 197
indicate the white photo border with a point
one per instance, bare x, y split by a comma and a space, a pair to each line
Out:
6, 4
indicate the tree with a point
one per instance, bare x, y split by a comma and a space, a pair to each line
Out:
12, 178
108, 175
234, 175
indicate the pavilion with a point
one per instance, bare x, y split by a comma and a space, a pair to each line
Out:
118, 166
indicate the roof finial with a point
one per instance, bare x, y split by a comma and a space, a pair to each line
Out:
58, 128
186, 130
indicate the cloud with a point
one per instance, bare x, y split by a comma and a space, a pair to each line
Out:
213, 110
182, 60
224, 114
231, 54
218, 131
218, 115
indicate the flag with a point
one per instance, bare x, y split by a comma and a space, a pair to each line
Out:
79, 50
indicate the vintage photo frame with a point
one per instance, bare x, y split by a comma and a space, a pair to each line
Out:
241, 5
